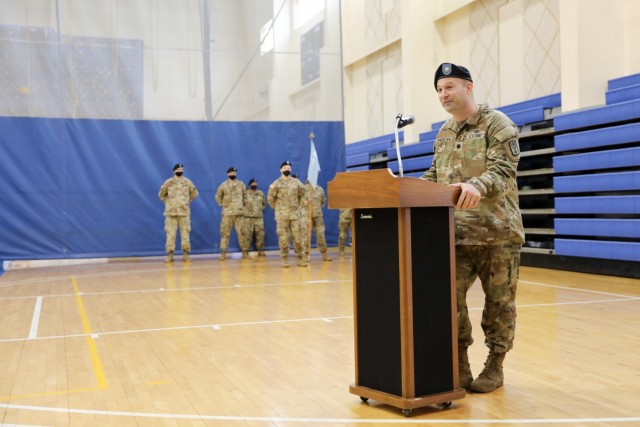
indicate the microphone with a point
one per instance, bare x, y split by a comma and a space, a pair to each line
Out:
404, 121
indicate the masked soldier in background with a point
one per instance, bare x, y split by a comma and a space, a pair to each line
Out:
285, 196
477, 151
253, 216
231, 195
177, 193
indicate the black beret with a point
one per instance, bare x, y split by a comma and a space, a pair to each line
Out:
232, 169
448, 69
178, 165
251, 181
285, 163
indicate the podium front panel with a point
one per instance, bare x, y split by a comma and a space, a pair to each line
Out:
432, 300
377, 299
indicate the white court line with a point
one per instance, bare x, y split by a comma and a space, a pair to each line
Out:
546, 285
324, 421
35, 320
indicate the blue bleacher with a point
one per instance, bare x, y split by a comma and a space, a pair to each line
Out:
358, 168
360, 152
623, 94
411, 150
598, 160
598, 137
549, 101
428, 136
598, 205
619, 181
628, 228
414, 164
622, 82
623, 111
629, 251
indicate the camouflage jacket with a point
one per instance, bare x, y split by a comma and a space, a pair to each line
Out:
482, 151
255, 204
318, 200
177, 194
232, 195
285, 196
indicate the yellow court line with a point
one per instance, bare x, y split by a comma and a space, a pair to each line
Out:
98, 370
93, 350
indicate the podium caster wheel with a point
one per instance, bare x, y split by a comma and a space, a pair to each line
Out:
407, 412
446, 405
364, 399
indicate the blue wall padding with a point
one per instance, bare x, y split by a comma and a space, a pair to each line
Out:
547, 101
597, 160
598, 205
89, 188
597, 116
413, 164
623, 94
598, 138
628, 251
619, 181
598, 227
621, 82
411, 150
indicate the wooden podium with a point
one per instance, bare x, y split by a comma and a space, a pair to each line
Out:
406, 333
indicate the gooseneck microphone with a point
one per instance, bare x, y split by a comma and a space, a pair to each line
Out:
405, 121
400, 123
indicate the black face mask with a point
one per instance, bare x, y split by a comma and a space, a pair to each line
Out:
232, 177
179, 173
286, 173
254, 187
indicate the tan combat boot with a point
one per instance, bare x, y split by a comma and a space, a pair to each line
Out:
325, 256
465, 376
285, 262
245, 255
169, 257
341, 251
302, 262
223, 255
185, 257
491, 376
261, 253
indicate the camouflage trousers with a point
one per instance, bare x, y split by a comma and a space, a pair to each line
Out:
343, 233
287, 228
227, 222
497, 267
318, 228
304, 230
251, 226
171, 224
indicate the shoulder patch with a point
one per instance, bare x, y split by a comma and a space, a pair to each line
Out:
514, 147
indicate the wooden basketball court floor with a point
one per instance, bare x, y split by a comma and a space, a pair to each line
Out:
134, 342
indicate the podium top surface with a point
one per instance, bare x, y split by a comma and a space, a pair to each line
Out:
379, 188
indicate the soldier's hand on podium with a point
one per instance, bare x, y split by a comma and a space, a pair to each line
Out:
469, 196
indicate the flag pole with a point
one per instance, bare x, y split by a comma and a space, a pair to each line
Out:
310, 204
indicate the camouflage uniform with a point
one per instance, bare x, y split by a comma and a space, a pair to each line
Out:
253, 218
305, 234
318, 200
285, 196
232, 196
177, 194
483, 151
344, 224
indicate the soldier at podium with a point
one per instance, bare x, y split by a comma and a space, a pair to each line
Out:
477, 150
